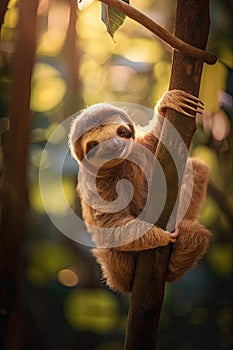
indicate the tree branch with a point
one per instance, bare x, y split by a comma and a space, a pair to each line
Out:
149, 281
171, 40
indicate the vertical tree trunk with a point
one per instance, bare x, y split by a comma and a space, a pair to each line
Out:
13, 187
192, 26
3, 9
72, 56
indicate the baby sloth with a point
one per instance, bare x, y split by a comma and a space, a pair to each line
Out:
115, 169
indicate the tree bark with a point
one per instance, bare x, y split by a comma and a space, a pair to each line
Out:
192, 26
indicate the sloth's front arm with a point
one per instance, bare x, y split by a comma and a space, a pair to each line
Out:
123, 232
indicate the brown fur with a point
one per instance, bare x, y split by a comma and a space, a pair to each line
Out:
117, 260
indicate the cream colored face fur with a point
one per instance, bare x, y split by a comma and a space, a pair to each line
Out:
107, 145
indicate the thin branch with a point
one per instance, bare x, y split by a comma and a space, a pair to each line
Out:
169, 39
219, 197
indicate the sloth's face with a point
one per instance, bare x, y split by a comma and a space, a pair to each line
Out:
108, 145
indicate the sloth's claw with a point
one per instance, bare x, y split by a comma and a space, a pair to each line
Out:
180, 101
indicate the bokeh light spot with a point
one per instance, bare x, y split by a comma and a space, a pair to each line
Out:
48, 88
68, 277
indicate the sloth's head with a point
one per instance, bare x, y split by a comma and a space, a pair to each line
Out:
101, 136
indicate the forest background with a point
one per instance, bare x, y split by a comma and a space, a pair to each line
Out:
77, 64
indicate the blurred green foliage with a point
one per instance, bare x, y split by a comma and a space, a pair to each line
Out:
92, 309
197, 309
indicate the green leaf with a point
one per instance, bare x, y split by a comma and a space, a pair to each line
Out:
112, 18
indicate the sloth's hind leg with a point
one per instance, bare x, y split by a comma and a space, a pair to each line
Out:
117, 268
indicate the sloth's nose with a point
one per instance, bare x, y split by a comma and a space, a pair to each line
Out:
113, 144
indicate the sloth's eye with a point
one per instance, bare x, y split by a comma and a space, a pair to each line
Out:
91, 145
124, 132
